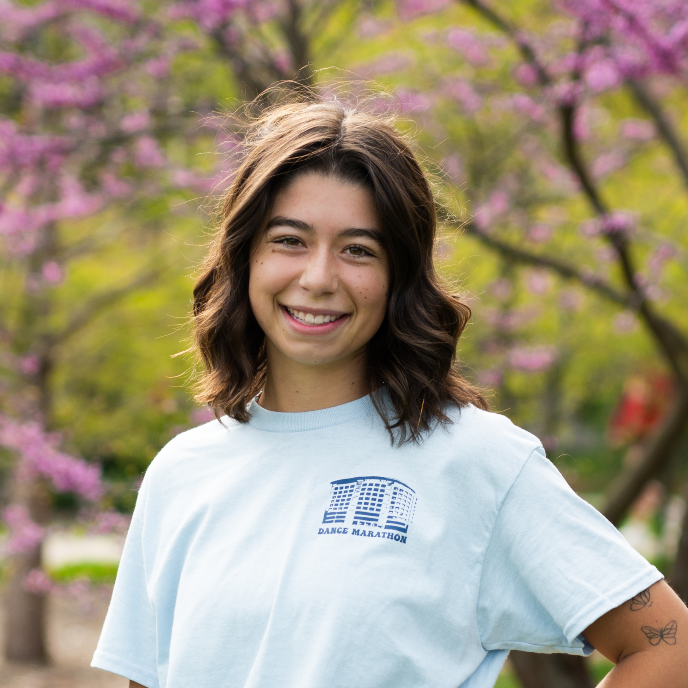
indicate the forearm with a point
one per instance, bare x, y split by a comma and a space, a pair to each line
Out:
648, 669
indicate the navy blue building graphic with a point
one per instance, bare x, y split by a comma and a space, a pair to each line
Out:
371, 501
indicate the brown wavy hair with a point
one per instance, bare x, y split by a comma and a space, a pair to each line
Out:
413, 353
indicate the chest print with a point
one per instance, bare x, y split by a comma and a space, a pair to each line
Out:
370, 506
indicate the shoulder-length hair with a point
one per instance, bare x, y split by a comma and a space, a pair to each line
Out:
412, 356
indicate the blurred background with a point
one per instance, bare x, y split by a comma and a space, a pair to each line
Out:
556, 132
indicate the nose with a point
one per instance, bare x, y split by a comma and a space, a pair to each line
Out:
319, 275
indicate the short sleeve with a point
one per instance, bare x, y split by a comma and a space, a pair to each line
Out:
553, 566
127, 644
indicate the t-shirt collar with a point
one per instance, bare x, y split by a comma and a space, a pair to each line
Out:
277, 421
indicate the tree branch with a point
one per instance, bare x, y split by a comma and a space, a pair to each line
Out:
657, 454
673, 349
564, 270
526, 50
98, 303
664, 126
298, 42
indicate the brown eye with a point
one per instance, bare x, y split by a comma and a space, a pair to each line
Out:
288, 241
358, 251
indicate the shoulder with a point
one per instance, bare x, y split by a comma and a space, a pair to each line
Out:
487, 446
489, 431
189, 449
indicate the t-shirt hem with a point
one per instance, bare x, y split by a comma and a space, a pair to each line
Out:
584, 649
594, 611
108, 662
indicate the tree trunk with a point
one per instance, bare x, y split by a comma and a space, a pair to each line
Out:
550, 671
25, 611
679, 573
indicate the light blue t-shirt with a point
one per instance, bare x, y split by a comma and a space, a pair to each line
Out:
301, 550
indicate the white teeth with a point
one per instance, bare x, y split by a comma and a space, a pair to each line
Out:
312, 319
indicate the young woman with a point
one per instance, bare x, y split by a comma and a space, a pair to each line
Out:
356, 517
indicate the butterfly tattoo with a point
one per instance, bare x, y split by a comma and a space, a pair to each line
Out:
642, 599
656, 635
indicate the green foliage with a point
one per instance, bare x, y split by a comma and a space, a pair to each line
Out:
94, 572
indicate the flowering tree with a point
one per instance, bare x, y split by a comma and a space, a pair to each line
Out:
101, 121
87, 111
540, 120
577, 94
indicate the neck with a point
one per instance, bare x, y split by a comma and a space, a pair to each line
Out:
295, 387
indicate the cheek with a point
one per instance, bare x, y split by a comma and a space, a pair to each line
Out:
372, 295
261, 287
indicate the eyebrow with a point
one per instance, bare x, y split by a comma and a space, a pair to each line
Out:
352, 232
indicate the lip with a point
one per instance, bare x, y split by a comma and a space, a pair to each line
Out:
324, 328
314, 311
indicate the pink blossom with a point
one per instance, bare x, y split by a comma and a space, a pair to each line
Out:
510, 320
37, 582
607, 163
617, 222
158, 67
581, 127
135, 121
532, 359
202, 415
453, 166
60, 95
25, 535
110, 522
482, 217
52, 272
148, 153
410, 9
389, 63
30, 365
638, 129
210, 14
114, 186
527, 75
499, 202
526, 105
19, 151
492, 377
368, 27
540, 232
114, 9
501, 288
606, 254
469, 45
16, 20
283, 61
602, 76
625, 322
464, 94
589, 228
39, 456
570, 299
412, 101
539, 282
658, 259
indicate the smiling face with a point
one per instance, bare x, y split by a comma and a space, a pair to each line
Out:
319, 274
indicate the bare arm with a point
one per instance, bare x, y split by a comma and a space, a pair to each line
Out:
647, 638
133, 684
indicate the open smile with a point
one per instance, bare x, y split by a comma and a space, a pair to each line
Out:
314, 320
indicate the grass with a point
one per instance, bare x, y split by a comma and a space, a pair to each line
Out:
598, 669
93, 572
